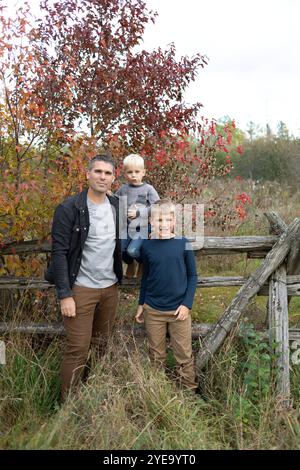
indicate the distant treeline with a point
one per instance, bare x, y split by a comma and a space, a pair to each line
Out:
269, 156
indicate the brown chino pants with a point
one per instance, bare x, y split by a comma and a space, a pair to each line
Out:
157, 324
93, 323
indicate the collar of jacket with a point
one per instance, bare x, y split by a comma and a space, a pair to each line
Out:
81, 201
81, 205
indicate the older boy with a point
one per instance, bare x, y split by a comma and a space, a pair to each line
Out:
139, 197
167, 292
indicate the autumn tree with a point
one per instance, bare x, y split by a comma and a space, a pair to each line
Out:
76, 80
113, 84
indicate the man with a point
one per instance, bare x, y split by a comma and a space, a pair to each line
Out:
86, 265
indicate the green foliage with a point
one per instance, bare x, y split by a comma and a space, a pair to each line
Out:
128, 404
30, 377
125, 404
256, 376
269, 157
257, 370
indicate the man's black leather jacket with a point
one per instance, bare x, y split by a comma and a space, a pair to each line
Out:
69, 232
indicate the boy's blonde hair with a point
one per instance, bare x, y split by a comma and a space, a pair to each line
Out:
134, 160
163, 205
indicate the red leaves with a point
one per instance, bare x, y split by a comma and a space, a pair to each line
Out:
161, 157
209, 213
111, 83
80, 70
243, 197
241, 212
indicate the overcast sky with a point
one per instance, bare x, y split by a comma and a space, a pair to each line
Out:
253, 50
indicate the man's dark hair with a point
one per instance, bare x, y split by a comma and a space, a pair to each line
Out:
102, 157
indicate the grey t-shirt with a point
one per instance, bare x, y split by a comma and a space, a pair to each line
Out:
141, 197
96, 269
142, 194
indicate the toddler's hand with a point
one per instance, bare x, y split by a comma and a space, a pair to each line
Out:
139, 314
182, 312
131, 214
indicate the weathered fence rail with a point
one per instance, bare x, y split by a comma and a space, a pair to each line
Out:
292, 283
198, 329
278, 277
211, 246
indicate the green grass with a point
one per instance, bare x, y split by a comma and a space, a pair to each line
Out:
125, 404
128, 404
210, 303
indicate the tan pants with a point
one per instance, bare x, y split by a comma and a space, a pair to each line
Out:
93, 323
157, 324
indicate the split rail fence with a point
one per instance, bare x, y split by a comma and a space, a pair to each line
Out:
277, 277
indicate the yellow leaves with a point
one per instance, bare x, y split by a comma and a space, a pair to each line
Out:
16, 267
37, 108
32, 106
28, 206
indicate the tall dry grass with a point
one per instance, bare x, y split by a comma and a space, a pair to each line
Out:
126, 403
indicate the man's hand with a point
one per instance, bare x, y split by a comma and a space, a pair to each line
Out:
182, 312
139, 314
68, 307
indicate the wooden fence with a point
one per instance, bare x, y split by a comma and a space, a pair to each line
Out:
276, 277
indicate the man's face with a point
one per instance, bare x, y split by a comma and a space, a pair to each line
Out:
100, 177
162, 223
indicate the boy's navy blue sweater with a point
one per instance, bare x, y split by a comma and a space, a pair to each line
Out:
169, 274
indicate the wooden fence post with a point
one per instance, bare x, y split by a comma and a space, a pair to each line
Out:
232, 314
277, 227
279, 331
